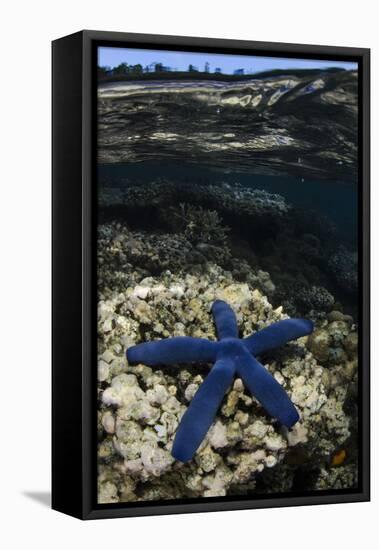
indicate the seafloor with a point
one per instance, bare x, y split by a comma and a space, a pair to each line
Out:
165, 253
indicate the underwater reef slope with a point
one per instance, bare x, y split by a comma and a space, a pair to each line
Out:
284, 124
242, 229
245, 451
253, 205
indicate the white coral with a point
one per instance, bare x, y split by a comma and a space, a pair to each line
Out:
141, 407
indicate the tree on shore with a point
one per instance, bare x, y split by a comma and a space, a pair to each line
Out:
123, 68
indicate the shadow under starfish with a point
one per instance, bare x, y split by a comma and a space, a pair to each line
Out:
231, 356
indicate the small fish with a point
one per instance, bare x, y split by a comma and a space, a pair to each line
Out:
338, 458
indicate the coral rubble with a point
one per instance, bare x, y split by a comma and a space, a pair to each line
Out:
141, 407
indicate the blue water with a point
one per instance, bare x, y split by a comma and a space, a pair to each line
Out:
335, 200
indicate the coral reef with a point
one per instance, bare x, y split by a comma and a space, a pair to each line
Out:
343, 265
140, 407
179, 413
255, 205
315, 297
198, 225
220, 222
337, 478
134, 255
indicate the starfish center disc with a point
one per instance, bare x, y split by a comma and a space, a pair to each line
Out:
231, 347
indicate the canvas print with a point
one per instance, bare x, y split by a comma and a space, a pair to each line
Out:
227, 276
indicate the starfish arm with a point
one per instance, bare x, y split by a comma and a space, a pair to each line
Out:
277, 335
202, 410
180, 349
225, 320
266, 389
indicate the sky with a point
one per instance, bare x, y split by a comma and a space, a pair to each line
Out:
112, 57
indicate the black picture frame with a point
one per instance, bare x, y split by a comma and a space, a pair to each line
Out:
74, 280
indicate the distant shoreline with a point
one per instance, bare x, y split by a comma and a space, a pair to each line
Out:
194, 75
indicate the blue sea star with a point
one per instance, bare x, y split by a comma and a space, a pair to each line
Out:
231, 356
